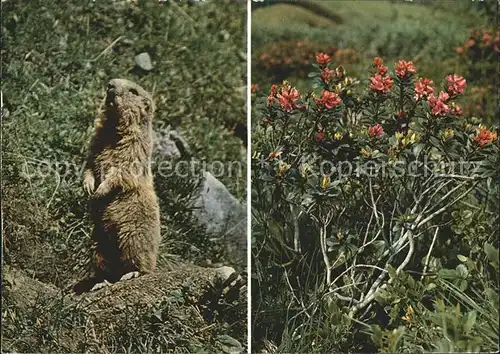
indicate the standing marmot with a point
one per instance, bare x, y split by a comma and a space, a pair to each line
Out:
123, 204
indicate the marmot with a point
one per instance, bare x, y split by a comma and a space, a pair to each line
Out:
123, 205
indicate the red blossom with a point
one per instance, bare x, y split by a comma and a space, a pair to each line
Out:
287, 98
272, 95
404, 67
382, 70
484, 136
320, 136
379, 64
457, 84
377, 61
376, 130
254, 88
460, 50
322, 58
438, 105
327, 75
328, 99
423, 88
380, 84
266, 121
443, 96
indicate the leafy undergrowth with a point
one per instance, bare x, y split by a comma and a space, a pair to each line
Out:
57, 60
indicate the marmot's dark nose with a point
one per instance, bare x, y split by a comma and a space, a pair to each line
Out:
110, 93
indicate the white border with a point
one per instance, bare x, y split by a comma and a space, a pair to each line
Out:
249, 194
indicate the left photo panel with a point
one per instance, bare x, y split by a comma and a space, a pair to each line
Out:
124, 176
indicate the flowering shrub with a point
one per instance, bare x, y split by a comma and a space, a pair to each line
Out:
283, 59
357, 183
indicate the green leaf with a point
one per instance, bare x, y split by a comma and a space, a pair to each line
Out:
430, 286
417, 149
492, 296
462, 271
471, 320
449, 274
462, 258
491, 253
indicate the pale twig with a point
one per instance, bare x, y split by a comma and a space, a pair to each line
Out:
429, 253
107, 49
409, 254
441, 210
296, 231
293, 294
467, 178
322, 238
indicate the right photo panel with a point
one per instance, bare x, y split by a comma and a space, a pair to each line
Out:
374, 176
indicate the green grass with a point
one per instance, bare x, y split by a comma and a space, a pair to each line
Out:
56, 61
392, 30
285, 14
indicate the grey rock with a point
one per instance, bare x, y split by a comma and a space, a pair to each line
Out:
143, 61
222, 214
171, 145
224, 272
229, 345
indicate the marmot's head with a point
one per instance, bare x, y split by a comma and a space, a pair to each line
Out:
128, 102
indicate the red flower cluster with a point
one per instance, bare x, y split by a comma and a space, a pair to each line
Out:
379, 64
376, 130
254, 88
380, 83
328, 99
438, 104
272, 95
287, 98
485, 136
327, 75
423, 88
322, 58
404, 67
482, 39
457, 84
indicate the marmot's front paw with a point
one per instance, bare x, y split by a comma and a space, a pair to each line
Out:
102, 190
89, 183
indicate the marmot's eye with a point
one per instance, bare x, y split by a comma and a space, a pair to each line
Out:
134, 92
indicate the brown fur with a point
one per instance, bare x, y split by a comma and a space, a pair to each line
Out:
123, 204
